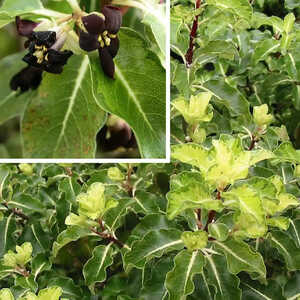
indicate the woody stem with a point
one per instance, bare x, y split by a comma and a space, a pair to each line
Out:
190, 53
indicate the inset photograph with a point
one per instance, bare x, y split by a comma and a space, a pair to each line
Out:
235, 135
83, 79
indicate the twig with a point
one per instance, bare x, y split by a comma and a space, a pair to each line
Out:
101, 225
212, 213
253, 142
127, 185
15, 211
199, 223
211, 216
22, 271
69, 171
109, 237
190, 53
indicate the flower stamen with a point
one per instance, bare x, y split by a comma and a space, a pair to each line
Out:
40, 53
105, 39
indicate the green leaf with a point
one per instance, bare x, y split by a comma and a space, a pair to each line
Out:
179, 281
39, 264
52, 293
69, 289
114, 216
219, 231
7, 229
241, 8
280, 222
5, 294
195, 110
261, 116
115, 174
260, 19
228, 96
291, 4
38, 237
154, 279
287, 248
134, 96
71, 234
294, 231
263, 49
93, 204
240, 257
94, 269
66, 128
193, 154
215, 49
12, 104
12, 8
195, 240
147, 203
71, 188
224, 163
251, 218
288, 23
192, 192
292, 287
5, 271
3, 175
154, 244
27, 204
27, 282
149, 223
156, 19
21, 257
286, 152
253, 290
225, 284
292, 61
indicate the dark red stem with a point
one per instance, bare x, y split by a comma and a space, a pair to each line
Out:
211, 216
253, 142
108, 237
16, 211
190, 53
199, 223
212, 213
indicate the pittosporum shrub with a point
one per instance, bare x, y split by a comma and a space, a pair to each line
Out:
77, 67
221, 225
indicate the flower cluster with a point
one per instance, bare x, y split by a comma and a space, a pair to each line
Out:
44, 55
97, 31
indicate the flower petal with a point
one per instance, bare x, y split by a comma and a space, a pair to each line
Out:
31, 60
56, 60
25, 27
107, 62
88, 42
44, 38
27, 78
113, 18
59, 57
93, 23
114, 46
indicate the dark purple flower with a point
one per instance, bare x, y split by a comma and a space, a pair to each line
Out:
25, 27
44, 52
28, 78
101, 35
